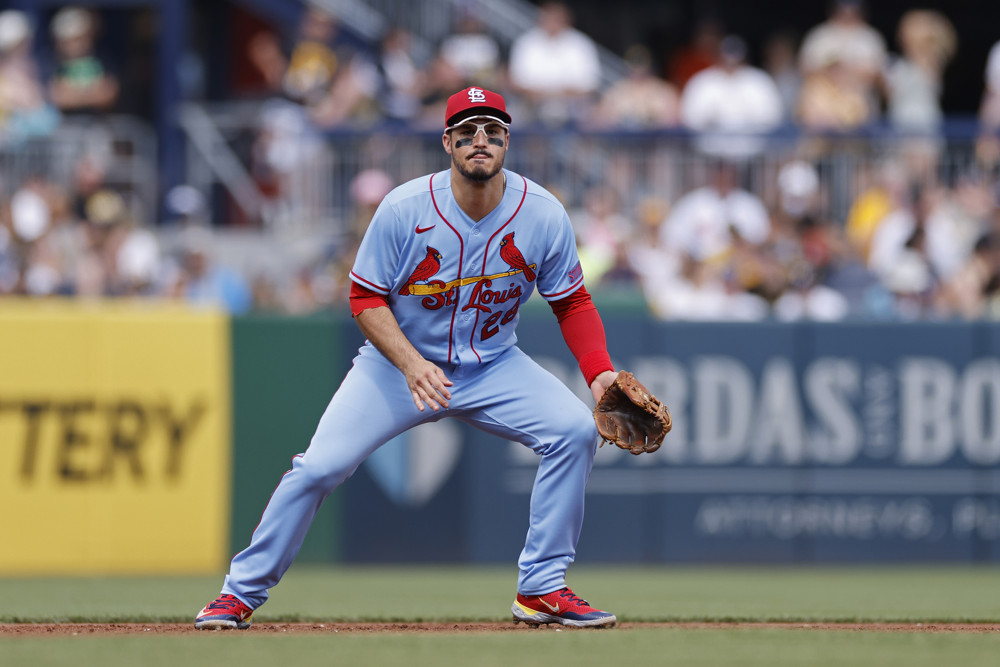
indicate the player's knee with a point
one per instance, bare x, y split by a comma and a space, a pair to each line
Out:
578, 436
322, 475
584, 433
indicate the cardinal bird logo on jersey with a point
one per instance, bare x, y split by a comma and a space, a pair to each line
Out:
510, 254
427, 267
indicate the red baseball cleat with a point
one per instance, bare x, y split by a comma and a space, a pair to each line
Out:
562, 607
224, 613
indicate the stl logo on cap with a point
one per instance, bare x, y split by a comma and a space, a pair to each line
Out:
475, 101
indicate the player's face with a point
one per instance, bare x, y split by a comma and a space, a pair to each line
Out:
477, 147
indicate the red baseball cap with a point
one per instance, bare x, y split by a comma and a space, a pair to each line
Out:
475, 102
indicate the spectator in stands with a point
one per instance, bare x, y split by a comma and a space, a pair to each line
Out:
708, 261
641, 100
973, 291
321, 84
955, 218
914, 82
968, 209
704, 222
847, 39
9, 271
88, 177
884, 191
733, 101
138, 259
331, 83
988, 144
833, 99
24, 109
910, 279
654, 264
902, 253
106, 225
328, 281
914, 79
401, 80
205, 281
107, 253
36, 272
700, 52
802, 248
780, 61
81, 82
620, 276
555, 67
945, 223
601, 230
702, 291
441, 80
63, 247
473, 52
305, 70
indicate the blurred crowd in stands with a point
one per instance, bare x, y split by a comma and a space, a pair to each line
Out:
912, 245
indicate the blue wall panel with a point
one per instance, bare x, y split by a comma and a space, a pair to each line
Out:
793, 443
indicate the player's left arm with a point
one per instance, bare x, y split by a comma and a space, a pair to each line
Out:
583, 331
560, 282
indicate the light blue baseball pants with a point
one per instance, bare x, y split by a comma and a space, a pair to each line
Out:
511, 397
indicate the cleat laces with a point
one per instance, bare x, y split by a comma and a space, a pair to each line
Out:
226, 602
573, 598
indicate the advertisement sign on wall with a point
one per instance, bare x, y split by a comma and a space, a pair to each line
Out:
791, 443
114, 439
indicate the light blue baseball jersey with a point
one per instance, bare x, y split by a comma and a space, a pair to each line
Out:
455, 285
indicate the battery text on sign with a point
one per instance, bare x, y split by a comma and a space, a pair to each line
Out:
85, 440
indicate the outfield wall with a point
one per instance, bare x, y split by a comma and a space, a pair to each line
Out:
792, 443
136, 438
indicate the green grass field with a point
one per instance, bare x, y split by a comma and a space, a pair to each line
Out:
636, 595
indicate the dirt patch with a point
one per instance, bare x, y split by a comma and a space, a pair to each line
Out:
103, 629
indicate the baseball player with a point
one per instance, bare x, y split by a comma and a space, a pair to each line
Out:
444, 266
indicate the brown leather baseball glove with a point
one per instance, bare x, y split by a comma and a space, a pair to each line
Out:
631, 417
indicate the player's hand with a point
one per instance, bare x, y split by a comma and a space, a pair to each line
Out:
428, 384
600, 383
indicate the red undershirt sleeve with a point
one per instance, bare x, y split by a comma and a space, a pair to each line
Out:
583, 331
363, 298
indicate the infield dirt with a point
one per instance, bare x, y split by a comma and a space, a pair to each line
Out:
8, 630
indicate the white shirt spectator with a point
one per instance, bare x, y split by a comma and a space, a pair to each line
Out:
989, 112
993, 69
913, 96
472, 55
744, 100
700, 222
946, 249
857, 45
542, 62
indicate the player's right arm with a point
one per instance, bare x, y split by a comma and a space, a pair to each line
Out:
427, 382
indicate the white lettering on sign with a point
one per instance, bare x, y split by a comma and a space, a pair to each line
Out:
723, 404
830, 384
780, 425
786, 518
922, 411
927, 392
979, 412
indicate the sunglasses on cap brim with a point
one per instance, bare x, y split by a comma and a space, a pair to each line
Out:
488, 119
